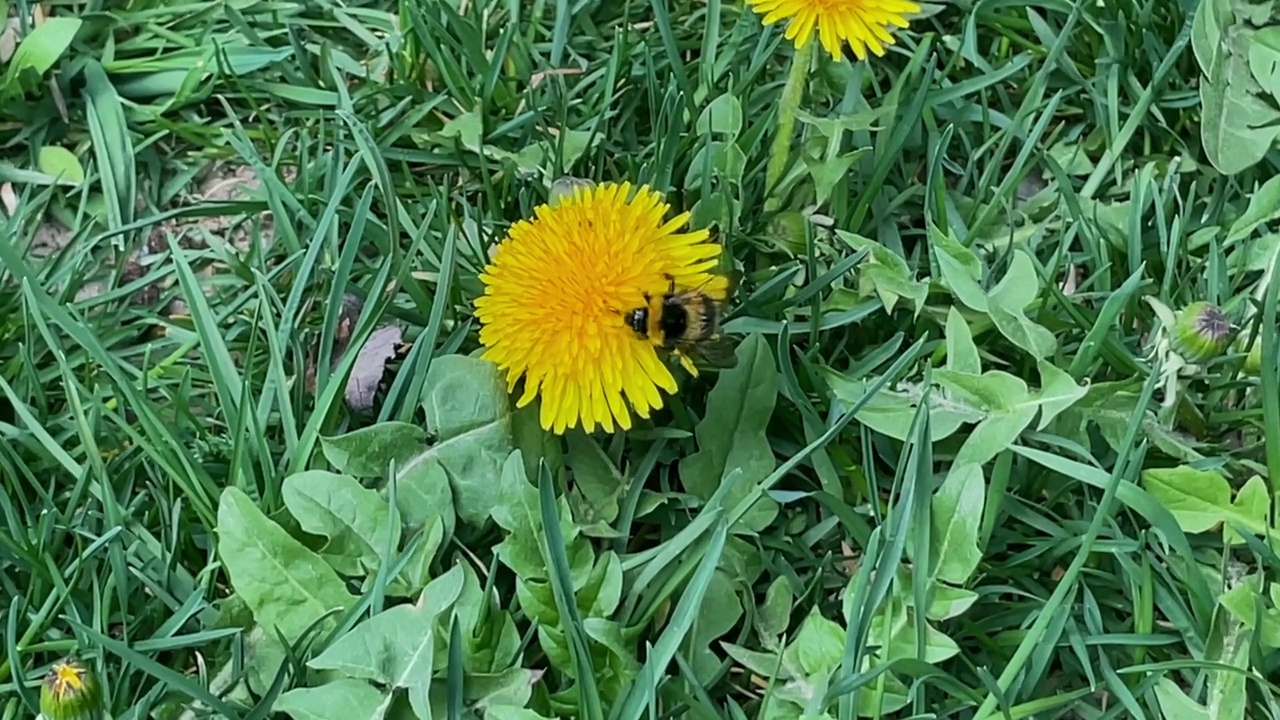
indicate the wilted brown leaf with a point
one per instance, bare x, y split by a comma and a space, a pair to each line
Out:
8, 40
8, 199
50, 237
371, 361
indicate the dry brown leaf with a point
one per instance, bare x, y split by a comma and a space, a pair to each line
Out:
50, 238
8, 199
90, 291
536, 79
371, 362
1071, 280
8, 40
852, 560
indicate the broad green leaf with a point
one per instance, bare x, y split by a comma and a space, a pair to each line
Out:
517, 512
890, 411
818, 647
512, 687
719, 613
731, 435
722, 116
264, 655
1237, 127
603, 591
956, 518
1252, 501
773, 617
994, 435
423, 496
828, 169
1007, 302
760, 663
468, 128
344, 699
948, 602
1072, 156
619, 657
1264, 208
61, 163
1200, 500
287, 586
1225, 697
469, 414
1264, 58
835, 127
1024, 332
991, 391
489, 635
1020, 285
42, 47
725, 159
1174, 703
888, 273
397, 646
1058, 391
962, 353
960, 269
1109, 405
369, 451
1245, 602
878, 701
417, 568
354, 518
535, 443
597, 481
1211, 21
896, 623
572, 144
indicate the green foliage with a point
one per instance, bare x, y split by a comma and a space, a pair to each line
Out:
1237, 45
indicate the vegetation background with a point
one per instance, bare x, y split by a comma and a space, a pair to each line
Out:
975, 460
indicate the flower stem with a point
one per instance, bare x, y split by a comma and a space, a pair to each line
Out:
792, 94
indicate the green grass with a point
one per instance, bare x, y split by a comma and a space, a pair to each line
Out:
961, 470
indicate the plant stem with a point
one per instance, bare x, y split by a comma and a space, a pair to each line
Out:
792, 94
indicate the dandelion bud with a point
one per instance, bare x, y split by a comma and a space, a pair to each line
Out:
1202, 332
70, 692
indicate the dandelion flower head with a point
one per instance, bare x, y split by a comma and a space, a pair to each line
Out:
556, 291
864, 24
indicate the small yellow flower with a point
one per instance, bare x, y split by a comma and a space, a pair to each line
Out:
556, 290
864, 24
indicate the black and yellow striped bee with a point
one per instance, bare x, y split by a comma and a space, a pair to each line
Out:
686, 322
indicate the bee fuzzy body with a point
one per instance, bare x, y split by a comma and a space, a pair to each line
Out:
686, 323
676, 319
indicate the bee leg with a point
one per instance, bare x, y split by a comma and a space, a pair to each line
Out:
671, 282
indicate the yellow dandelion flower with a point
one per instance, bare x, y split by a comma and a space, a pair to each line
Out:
864, 24
556, 291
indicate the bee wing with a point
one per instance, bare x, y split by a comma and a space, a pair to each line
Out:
718, 351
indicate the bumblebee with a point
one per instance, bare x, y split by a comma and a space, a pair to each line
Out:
685, 322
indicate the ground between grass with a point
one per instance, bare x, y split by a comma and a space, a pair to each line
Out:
977, 458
